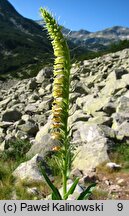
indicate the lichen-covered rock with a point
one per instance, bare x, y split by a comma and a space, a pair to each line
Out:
31, 108
90, 155
44, 147
95, 104
29, 171
92, 147
78, 115
42, 131
32, 84
101, 120
123, 105
29, 127
5, 124
44, 73
123, 131
3, 103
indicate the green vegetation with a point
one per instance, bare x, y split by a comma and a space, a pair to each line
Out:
10, 189
24, 47
113, 47
23, 55
99, 194
10, 159
15, 149
6, 180
120, 155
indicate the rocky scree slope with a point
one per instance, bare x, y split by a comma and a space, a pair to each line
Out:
99, 110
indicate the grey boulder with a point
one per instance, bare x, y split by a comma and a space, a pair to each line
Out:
11, 115
29, 171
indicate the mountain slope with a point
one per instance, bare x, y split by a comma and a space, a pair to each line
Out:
22, 41
99, 39
24, 45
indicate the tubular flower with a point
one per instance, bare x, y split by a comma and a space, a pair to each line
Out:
60, 93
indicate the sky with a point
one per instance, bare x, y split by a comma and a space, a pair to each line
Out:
91, 15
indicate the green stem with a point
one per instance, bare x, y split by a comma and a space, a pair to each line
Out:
64, 183
66, 165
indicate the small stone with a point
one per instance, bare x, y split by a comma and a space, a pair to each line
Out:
4, 102
29, 127
32, 84
76, 173
31, 108
2, 146
25, 117
107, 182
5, 124
33, 191
120, 72
44, 105
44, 73
41, 92
114, 189
109, 108
91, 178
48, 88
113, 166
121, 182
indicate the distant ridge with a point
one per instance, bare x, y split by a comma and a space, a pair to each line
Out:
95, 40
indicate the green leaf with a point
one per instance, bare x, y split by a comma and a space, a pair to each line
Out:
87, 192
72, 188
53, 196
56, 194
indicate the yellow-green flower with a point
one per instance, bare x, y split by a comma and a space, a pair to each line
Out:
60, 92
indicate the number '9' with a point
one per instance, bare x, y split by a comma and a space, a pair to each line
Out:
120, 206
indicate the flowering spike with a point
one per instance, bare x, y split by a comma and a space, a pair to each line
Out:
60, 105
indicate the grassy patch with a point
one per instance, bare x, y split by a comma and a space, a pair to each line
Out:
10, 188
6, 180
10, 159
15, 150
99, 194
120, 155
